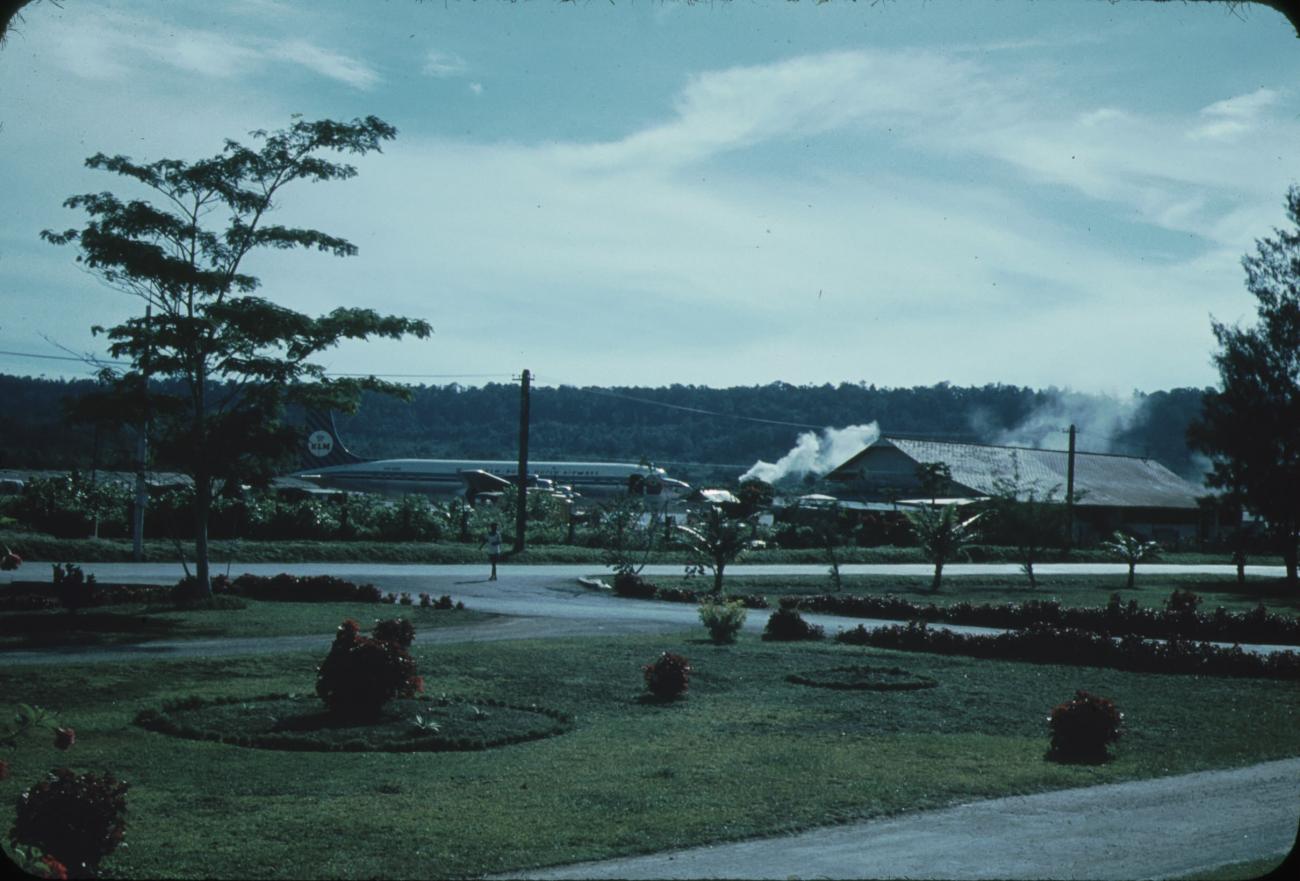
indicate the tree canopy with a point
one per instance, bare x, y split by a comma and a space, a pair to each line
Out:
235, 358
1249, 425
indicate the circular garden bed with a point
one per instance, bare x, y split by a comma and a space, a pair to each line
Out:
865, 679
300, 722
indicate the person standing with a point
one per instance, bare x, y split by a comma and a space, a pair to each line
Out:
493, 542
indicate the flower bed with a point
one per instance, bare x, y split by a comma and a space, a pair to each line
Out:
298, 722
1178, 620
864, 678
1062, 645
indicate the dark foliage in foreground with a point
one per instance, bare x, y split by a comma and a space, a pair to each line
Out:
1063, 645
77, 818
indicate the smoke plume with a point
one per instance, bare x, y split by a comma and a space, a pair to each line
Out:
1100, 420
816, 454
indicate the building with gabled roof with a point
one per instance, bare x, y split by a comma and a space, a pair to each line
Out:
1111, 491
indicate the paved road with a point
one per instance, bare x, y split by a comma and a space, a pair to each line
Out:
1169, 827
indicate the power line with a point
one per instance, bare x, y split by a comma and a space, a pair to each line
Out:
697, 410
84, 360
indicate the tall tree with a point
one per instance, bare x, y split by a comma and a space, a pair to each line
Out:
1249, 426
238, 358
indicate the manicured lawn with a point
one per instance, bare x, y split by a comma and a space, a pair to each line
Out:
1071, 590
745, 753
137, 623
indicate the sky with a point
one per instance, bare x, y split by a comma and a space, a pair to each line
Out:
724, 194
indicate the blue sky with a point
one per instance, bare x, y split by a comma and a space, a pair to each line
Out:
900, 193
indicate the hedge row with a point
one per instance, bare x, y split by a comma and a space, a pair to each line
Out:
297, 588
29, 595
636, 587
1067, 645
1114, 619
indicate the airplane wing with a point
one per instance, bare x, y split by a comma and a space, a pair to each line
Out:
478, 482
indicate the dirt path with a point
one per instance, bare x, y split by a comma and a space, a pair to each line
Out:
1168, 827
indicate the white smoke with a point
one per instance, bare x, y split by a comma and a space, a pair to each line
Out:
1100, 419
816, 455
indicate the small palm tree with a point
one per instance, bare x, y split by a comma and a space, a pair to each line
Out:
941, 536
1131, 550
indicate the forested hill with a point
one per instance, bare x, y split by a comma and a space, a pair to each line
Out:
667, 425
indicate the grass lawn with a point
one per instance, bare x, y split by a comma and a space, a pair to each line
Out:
1071, 590
745, 753
137, 623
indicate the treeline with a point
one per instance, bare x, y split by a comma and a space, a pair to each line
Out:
668, 425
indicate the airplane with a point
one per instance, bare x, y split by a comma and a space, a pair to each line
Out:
326, 462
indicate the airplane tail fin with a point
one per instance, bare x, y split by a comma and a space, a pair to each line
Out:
322, 446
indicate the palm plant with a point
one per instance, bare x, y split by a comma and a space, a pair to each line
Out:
1131, 550
941, 536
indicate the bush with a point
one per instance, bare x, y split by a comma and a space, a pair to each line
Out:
668, 676
1082, 728
723, 619
628, 584
787, 624
299, 588
360, 675
74, 588
1065, 645
1182, 602
397, 630
76, 818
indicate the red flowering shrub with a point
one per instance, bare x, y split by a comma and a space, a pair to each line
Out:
397, 630
360, 675
668, 677
1082, 728
78, 819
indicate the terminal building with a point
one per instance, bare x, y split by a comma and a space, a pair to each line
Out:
1136, 495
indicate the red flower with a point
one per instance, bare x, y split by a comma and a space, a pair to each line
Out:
64, 737
419, 683
52, 868
4, 770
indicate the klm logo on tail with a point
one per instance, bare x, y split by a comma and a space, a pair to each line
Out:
322, 447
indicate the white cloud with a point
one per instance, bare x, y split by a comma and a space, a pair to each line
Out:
1231, 118
325, 62
476, 88
443, 64
100, 44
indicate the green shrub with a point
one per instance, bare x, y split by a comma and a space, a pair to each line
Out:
786, 624
77, 818
723, 619
360, 675
1083, 728
668, 676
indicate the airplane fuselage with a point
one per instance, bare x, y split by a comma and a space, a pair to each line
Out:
444, 476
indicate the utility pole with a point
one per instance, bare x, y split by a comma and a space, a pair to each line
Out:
1069, 494
142, 457
521, 515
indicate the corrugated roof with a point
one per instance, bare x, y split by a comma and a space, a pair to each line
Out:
1102, 479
